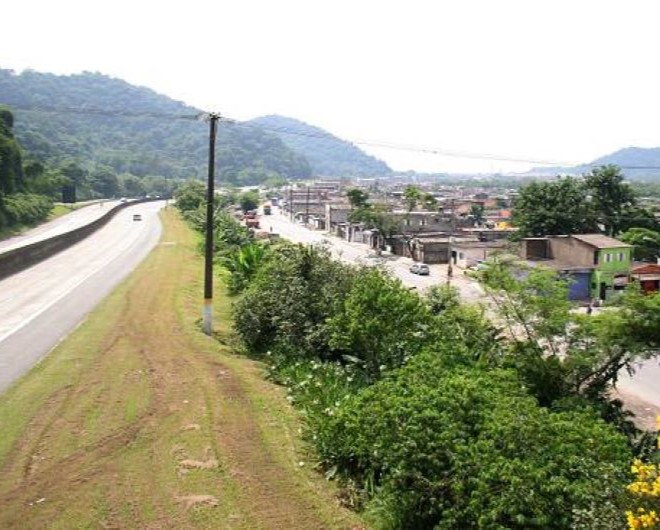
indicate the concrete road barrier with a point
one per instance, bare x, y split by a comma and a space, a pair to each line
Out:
18, 259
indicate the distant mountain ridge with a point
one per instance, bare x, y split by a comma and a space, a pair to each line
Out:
637, 163
138, 131
327, 154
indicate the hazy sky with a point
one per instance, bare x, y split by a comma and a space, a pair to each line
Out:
557, 80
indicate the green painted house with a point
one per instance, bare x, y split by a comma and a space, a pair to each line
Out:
612, 261
597, 265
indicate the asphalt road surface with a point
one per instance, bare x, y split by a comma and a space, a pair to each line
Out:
359, 253
66, 223
644, 383
41, 305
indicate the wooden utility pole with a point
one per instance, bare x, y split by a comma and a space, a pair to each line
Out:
450, 269
208, 250
307, 207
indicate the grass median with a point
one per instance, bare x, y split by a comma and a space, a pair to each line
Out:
139, 420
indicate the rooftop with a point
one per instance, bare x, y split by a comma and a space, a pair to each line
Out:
600, 241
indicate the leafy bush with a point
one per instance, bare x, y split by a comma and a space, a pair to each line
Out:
24, 208
466, 448
380, 322
289, 301
244, 262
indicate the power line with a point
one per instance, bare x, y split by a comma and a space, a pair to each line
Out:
438, 151
430, 150
109, 113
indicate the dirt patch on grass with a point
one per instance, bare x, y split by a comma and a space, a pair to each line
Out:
195, 500
154, 429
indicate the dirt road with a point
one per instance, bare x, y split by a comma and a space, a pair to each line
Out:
140, 421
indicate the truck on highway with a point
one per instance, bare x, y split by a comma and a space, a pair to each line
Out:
267, 210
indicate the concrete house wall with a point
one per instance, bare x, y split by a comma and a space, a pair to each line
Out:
571, 251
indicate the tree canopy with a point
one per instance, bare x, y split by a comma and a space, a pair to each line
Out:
571, 206
135, 130
553, 208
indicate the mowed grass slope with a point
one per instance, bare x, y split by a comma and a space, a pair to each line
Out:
138, 420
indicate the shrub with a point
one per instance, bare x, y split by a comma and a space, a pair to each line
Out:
289, 301
25, 208
466, 448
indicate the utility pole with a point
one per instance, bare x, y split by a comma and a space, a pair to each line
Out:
450, 269
307, 207
208, 250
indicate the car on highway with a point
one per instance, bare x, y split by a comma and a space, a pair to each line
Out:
420, 268
137, 217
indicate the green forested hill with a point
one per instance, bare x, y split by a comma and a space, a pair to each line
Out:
328, 155
57, 119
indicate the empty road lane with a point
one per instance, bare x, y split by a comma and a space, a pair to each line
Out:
41, 305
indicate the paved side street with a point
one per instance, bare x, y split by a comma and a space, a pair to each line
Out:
469, 289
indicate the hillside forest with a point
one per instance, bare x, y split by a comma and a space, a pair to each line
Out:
100, 121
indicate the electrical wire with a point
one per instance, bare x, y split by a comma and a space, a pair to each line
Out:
439, 151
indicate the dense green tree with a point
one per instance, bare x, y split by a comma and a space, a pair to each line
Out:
477, 213
249, 200
190, 196
412, 196
553, 208
637, 217
436, 446
357, 198
380, 322
565, 356
18, 204
288, 303
131, 186
11, 170
378, 217
429, 201
610, 196
104, 182
645, 241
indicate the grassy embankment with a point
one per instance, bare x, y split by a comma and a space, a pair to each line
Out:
139, 420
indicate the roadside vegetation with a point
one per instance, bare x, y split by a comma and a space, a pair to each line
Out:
138, 420
429, 415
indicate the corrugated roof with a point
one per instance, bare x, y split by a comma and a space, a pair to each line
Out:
650, 268
600, 241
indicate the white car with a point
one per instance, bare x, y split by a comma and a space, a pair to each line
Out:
420, 268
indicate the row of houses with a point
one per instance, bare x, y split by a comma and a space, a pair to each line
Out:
596, 265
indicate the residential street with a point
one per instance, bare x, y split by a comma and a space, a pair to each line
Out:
399, 266
641, 392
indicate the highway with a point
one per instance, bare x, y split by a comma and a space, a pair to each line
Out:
41, 305
66, 223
